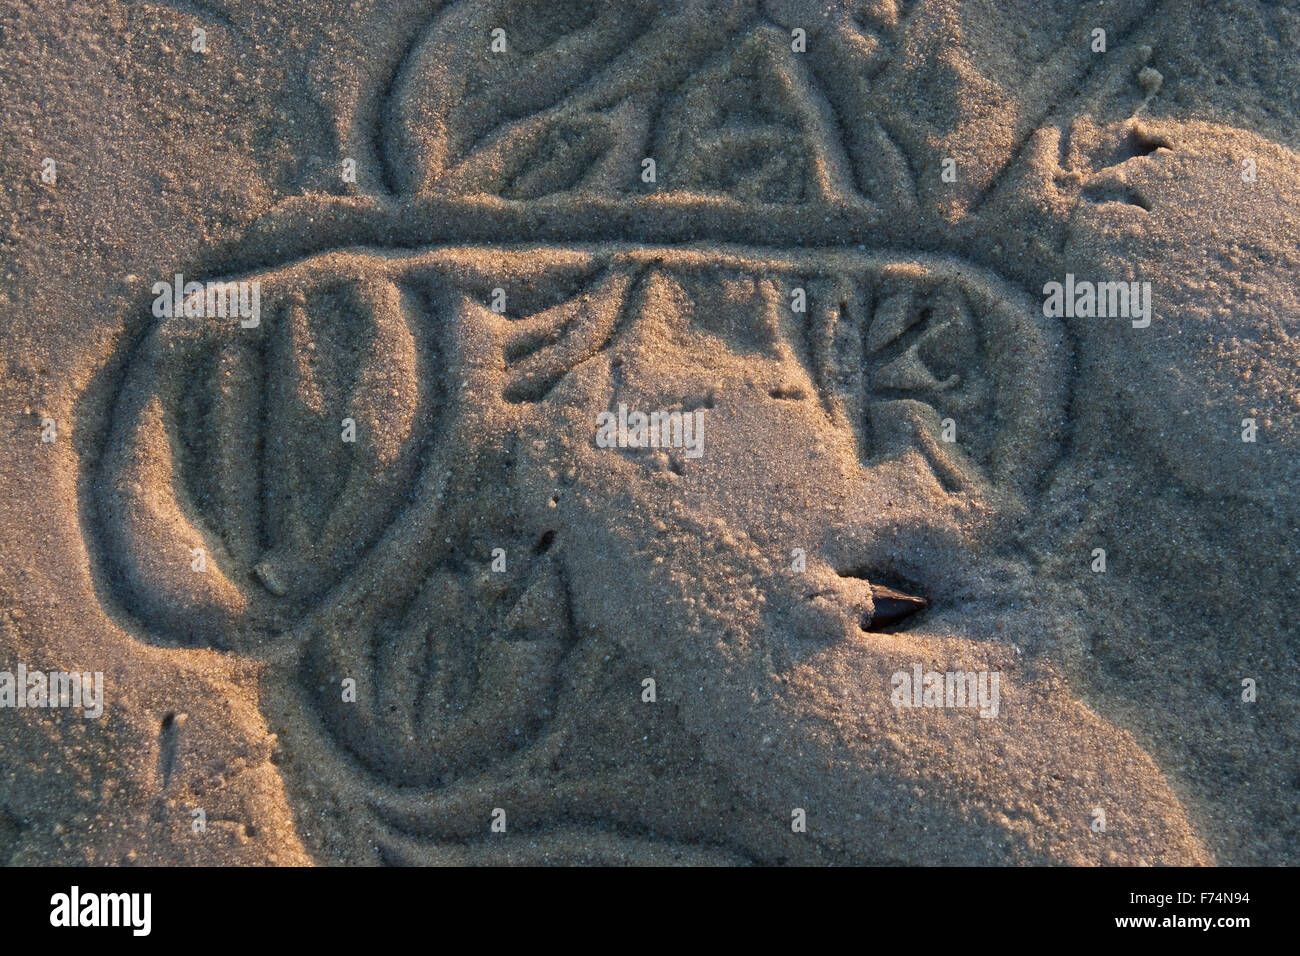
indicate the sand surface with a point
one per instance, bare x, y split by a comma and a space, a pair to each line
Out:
364, 579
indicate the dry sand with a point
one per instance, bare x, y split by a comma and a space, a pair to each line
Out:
474, 634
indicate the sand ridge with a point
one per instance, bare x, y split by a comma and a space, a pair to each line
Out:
743, 584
